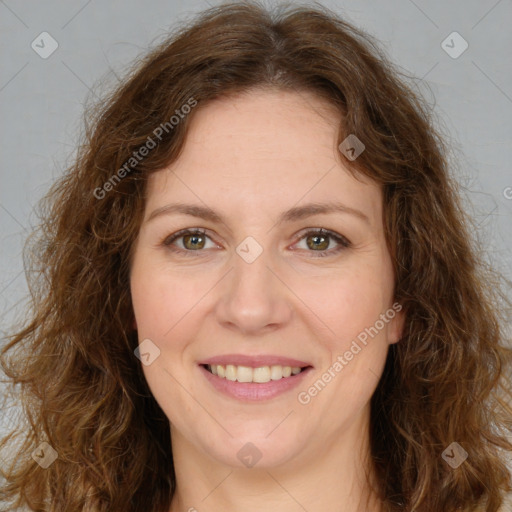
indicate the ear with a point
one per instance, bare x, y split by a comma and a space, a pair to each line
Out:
396, 324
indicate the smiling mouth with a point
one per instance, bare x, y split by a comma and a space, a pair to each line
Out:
260, 375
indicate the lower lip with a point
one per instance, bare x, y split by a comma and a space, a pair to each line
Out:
253, 391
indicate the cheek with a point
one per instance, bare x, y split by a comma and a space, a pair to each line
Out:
161, 303
169, 310
345, 302
159, 298
348, 306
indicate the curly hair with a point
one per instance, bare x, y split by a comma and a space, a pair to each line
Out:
83, 391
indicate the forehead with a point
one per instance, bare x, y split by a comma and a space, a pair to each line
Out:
266, 124
263, 151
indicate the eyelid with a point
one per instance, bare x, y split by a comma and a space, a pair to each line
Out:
168, 240
342, 241
323, 231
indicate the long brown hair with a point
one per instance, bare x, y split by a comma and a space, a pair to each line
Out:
81, 387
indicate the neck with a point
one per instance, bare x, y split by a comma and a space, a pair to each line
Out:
330, 476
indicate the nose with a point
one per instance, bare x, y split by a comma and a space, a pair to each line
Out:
254, 299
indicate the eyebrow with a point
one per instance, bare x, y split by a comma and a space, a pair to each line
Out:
293, 214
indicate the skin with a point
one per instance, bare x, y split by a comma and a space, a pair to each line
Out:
251, 157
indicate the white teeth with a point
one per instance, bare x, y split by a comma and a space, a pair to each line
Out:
230, 372
260, 375
244, 374
276, 372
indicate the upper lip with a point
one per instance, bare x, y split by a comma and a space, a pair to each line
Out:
255, 361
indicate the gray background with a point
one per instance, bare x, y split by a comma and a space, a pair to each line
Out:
42, 99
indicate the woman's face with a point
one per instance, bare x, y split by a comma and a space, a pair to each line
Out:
259, 289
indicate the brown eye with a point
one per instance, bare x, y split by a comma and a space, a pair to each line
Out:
319, 240
193, 242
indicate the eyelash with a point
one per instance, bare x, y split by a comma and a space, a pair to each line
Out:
343, 243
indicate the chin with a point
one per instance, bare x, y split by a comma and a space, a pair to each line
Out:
256, 452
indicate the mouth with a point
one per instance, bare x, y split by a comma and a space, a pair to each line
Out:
255, 379
259, 375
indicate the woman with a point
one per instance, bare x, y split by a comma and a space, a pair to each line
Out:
258, 292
